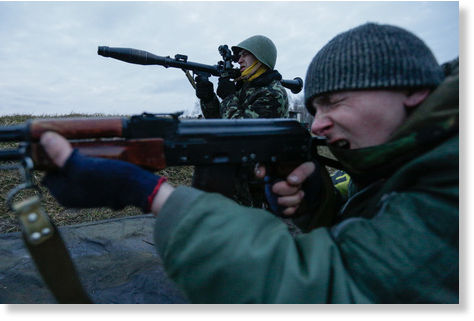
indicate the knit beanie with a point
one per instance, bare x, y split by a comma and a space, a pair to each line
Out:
371, 56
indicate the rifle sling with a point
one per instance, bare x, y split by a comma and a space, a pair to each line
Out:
57, 269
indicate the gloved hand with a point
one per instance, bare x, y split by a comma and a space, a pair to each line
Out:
86, 182
204, 89
225, 87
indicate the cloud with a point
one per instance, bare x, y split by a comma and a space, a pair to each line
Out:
49, 49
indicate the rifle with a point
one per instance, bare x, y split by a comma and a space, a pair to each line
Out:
152, 141
156, 141
224, 68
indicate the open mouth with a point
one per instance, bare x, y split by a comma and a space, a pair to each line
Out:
342, 144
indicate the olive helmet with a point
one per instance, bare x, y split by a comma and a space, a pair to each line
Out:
261, 47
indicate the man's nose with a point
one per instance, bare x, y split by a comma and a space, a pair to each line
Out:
321, 124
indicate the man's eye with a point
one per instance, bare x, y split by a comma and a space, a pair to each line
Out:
336, 100
324, 108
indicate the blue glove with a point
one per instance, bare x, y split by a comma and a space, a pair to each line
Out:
86, 182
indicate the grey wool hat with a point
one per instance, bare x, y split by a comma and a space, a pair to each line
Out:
371, 56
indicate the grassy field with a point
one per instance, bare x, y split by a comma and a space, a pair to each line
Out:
59, 214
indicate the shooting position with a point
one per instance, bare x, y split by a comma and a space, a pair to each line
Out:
389, 113
256, 93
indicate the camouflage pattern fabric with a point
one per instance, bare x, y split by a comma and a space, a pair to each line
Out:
264, 97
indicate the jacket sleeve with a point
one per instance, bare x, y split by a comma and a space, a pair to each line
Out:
220, 252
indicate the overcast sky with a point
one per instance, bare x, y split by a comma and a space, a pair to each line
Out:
49, 62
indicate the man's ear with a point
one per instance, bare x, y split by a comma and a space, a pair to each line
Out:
416, 97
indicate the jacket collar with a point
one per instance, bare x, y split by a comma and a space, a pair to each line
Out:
263, 80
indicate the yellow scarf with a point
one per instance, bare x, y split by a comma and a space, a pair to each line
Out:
253, 71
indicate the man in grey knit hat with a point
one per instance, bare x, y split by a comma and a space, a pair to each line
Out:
390, 117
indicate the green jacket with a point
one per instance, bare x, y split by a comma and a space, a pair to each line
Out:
396, 239
264, 97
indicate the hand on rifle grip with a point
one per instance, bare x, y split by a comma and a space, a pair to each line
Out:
286, 196
272, 198
225, 87
204, 89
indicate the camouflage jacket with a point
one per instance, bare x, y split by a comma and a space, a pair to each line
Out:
264, 97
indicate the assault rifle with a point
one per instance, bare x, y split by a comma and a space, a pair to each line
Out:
151, 141
223, 68
157, 141
230, 148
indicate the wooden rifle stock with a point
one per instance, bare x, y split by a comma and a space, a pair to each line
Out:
147, 153
101, 138
77, 128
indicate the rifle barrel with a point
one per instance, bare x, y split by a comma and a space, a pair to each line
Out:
13, 133
11, 155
